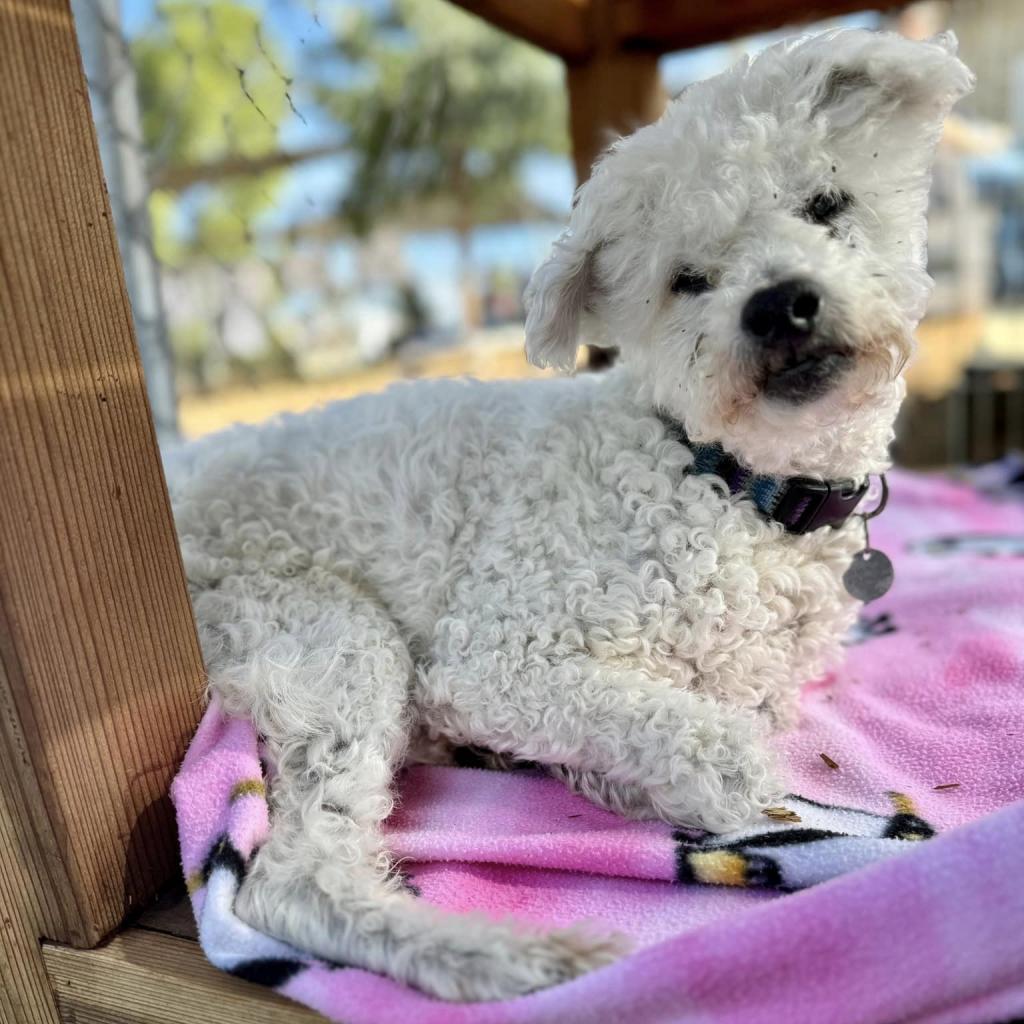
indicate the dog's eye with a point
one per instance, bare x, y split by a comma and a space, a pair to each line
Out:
824, 207
688, 281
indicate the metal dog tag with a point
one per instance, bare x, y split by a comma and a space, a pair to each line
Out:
870, 575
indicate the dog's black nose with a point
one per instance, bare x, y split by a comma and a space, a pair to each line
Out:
784, 312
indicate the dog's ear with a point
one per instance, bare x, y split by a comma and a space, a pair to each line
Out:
556, 298
564, 288
880, 77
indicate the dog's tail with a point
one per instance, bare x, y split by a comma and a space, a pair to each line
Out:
349, 915
330, 696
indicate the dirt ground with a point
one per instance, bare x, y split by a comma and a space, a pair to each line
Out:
493, 360
946, 346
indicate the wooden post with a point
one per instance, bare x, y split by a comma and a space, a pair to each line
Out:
100, 672
609, 96
612, 91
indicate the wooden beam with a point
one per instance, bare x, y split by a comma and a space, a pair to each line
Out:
662, 26
144, 977
558, 26
100, 672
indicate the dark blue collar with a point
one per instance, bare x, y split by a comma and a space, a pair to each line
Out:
800, 503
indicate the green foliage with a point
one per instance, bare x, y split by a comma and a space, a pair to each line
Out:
208, 82
441, 108
210, 87
436, 111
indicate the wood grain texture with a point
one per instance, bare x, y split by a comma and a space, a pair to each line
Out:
33, 890
143, 977
100, 673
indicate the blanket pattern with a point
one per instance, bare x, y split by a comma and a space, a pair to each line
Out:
922, 728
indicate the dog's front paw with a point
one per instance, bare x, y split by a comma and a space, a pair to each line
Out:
727, 781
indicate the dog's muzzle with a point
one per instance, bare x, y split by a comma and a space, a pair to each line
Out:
797, 361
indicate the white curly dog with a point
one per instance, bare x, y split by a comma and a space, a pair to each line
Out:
552, 569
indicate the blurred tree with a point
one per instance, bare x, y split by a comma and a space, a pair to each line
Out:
211, 87
214, 95
442, 109
433, 109
415, 315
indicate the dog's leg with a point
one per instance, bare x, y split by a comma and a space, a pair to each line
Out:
629, 801
325, 675
697, 762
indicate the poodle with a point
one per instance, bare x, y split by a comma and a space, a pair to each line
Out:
625, 576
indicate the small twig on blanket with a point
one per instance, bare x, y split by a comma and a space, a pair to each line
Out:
782, 814
947, 785
834, 765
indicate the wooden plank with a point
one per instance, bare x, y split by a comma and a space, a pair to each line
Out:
661, 26
143, 977
100, 672
558, 26
33, 890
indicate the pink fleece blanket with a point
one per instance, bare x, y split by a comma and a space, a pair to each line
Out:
925, 725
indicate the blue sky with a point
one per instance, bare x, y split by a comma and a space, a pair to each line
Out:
312, 190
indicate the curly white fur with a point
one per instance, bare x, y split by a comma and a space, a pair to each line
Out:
531, 566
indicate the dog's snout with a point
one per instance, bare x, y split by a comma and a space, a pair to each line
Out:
798, 361
783, 312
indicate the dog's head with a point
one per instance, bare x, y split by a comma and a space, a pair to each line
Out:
758, 254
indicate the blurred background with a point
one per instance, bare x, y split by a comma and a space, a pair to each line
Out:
316, 198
